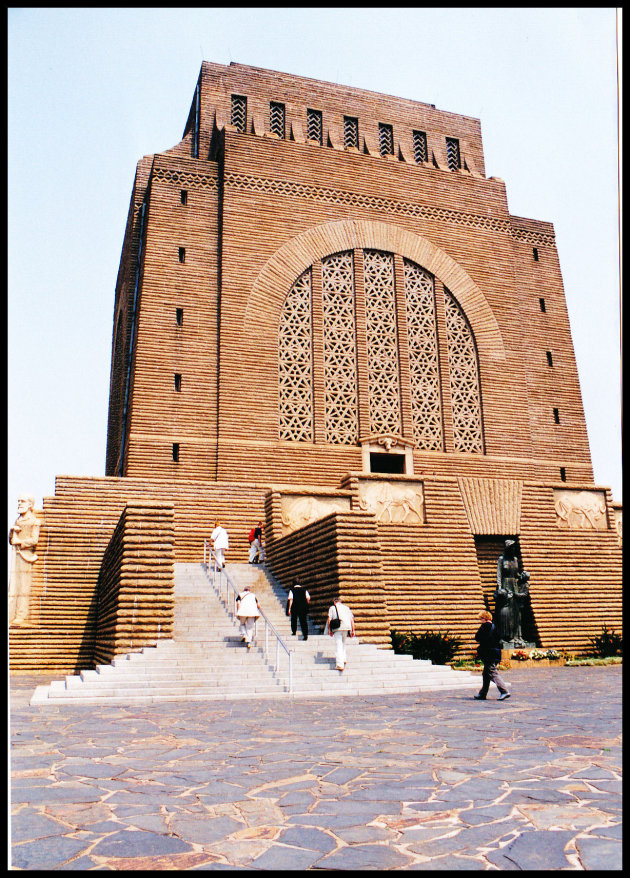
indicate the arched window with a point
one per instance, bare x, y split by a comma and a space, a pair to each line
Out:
382, 342
367, 300
424, 366
340, 350
463, 371
295, 350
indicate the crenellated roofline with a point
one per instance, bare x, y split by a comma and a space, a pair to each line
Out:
212, 110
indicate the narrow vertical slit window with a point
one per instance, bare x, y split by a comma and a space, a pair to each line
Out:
563, 474
350, 132
176, 451
556, 416
549, 358
543, 307
183, 196
179, 316
385, 139
420, 151
276, 119
178, 382
535, 253
238, 115
314, 126
453, 157
182, 254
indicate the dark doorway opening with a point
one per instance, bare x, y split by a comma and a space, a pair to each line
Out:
387, 463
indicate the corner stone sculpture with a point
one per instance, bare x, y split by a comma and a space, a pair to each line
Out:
23, 536
510, 598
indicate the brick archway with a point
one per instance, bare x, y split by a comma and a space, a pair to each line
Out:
281, 270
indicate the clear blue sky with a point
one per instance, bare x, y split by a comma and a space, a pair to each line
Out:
90, 91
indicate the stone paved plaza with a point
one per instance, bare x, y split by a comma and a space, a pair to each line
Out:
422, 781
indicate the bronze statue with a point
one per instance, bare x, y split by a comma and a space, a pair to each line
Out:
505, 594
521, 594
511, 596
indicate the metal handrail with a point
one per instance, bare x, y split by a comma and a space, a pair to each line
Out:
210, 564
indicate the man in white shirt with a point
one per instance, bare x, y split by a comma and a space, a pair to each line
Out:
219, 537
247, 610
340, 632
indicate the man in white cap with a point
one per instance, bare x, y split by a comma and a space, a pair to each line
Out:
247, 610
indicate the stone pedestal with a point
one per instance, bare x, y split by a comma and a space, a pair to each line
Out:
526, 646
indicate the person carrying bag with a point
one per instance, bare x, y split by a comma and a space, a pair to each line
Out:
340, 623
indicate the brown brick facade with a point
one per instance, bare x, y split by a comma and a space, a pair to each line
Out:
220, 228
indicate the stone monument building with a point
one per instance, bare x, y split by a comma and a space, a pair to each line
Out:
327, 318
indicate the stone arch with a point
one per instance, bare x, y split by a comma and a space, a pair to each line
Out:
281, 270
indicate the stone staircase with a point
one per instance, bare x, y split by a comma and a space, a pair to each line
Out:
207, 660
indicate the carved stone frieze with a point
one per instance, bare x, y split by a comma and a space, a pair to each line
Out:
580, 510
493, 506
298, 511
392, 503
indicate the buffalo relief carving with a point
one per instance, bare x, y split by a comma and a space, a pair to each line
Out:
392, 503
581, 510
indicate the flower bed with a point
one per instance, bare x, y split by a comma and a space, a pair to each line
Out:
533, 658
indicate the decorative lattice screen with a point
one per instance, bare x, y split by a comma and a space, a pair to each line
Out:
314, 127
341, 423
464, 379
350, 132
276, 119
453, 157
386, 139
420, 151
238, 116
424, 365
340, 357
382, 342
295, 351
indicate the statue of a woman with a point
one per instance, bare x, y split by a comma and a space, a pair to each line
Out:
521, 593
505, 594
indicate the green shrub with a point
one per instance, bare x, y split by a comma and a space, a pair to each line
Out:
466, 663
437, 646
607, 643
399, 641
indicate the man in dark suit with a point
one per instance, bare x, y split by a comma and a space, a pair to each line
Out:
298, 608
490, 654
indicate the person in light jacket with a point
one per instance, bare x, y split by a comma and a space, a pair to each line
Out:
220, 540
256, 548
247, 610
340, 633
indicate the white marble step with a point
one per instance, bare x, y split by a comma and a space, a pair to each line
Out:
244, 673
206, 659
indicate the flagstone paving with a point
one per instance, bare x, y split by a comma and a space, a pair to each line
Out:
414, 781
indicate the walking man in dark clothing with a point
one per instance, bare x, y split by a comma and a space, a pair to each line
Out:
298, 608
490, 653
